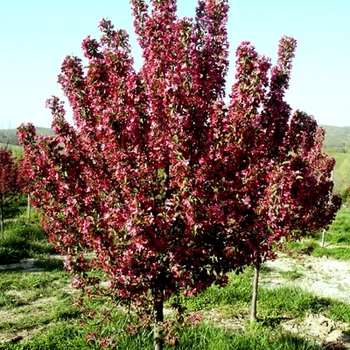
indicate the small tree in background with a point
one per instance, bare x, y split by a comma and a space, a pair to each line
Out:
286, 185
298, 200
24, 182
8, 180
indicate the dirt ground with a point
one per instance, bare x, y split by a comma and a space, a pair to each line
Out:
324, 277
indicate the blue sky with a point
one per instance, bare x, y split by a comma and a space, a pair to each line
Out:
36, 35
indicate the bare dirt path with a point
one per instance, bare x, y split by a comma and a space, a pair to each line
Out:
324, 277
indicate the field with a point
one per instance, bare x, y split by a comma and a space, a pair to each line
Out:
37, 308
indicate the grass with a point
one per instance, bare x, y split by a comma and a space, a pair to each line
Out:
31, 300
283, 301
341, 169
339, 230
22, 240
339, 311
337, 240
42, 300
291, 275
41, 303
202, 337
16, 150
312, 247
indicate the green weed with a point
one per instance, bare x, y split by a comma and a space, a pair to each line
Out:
339, 311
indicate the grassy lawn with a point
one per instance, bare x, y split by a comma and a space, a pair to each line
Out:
39, 307
337, 240
38, 312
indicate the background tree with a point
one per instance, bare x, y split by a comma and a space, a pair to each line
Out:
8, 180
279, 159
23, 181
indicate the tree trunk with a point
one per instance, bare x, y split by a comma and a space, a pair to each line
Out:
28, 207
158, 318
2, 218
255, 292
323, 237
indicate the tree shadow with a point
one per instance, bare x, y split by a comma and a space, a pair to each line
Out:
33, 265
273, 321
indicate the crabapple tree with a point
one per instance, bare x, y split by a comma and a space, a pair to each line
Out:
159, 184
8, 180
142, 186
286, 185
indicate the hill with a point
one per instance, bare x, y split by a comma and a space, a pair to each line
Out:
9, 136
337, 139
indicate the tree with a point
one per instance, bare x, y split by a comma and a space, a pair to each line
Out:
279, 159
300, 192
8, 180
143, 180
24, 182
159, 184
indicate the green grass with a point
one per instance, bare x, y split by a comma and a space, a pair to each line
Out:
291, 275
337, 240
341, 169
312, 247
339, 311
335, 253
202, 337
278, 302
61, 327
49, 264
339, 230
22, 240
17, 151
35, 299
25, 287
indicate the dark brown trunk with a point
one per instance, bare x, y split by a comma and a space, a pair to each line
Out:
158, 318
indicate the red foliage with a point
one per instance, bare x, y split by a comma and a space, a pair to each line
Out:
286, 186
141, 180
9, 183
164, 183
8, 172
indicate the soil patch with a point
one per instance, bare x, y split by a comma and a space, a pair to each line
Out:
323, 277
